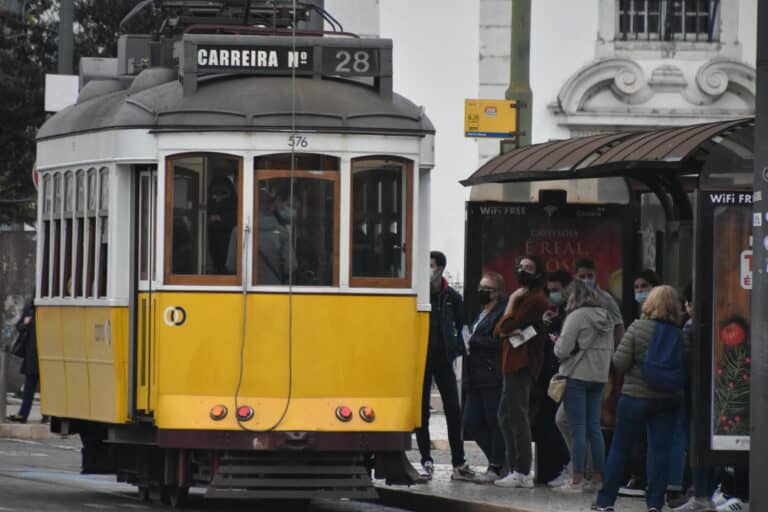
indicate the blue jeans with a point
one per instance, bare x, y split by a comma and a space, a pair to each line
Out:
582, 403
678, 450
704, 481
481, 424
659, 416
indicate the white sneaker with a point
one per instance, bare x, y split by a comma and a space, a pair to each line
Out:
559, 480
515, 479
487, 477
718, 498
570, 487
733, 505
696, 505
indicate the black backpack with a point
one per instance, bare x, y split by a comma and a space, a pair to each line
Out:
663, 365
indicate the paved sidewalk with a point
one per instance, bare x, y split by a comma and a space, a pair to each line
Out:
32, 430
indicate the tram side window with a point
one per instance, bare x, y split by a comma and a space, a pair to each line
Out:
90, 242
46, 232
68, 212
103, 231
381, 219
296, 240
56, 215
79, 239
205, 204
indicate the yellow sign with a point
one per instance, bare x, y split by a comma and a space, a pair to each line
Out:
490, 118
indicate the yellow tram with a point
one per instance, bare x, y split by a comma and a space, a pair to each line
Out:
232, 285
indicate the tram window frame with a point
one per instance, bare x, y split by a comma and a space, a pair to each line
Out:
79, 231
91, 183
383, 281
102, 288
147, 205
198, 278
68, 225
47, 190
306, 166
56, 215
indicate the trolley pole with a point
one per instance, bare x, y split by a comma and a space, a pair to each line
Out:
3, 380
758, 420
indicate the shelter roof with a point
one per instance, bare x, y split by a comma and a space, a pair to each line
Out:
615, 154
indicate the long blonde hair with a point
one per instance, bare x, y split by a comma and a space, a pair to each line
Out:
663, 303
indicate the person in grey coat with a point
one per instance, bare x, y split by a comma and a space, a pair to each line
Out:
584, 349
642, 405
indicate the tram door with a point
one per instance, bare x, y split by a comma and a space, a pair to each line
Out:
145, 300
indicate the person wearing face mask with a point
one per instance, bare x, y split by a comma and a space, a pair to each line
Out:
644, 282
481, 378
445, 344
521, 366
552, 454
276, 255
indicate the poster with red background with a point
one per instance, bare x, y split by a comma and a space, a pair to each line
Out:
498, 234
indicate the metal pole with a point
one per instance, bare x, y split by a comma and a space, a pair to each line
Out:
66, 20
519, 69
759, 334
3, 382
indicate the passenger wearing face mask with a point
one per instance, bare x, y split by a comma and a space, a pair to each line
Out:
521, 366
276, 257
481, 378
445, 344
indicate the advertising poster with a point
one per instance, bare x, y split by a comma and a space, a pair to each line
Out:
499, 233
732, 282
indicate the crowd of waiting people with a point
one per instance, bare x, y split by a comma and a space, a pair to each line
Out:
563, 337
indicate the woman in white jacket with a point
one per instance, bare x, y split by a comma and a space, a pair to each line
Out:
584, 348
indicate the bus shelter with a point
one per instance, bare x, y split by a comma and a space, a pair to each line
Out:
678, 200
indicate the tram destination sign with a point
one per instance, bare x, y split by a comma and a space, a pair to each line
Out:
253, 58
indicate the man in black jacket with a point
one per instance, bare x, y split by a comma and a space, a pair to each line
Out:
445, 344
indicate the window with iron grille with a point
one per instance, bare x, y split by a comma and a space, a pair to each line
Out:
668, 20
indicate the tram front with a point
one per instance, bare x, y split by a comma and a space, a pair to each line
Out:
232, 285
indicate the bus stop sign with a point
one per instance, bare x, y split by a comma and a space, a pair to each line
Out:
490, 118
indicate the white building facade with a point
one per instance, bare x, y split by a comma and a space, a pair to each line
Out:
595, 66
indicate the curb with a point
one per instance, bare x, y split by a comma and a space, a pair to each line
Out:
26, 431
417, 501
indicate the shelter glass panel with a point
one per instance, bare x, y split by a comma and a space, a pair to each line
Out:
381, 218
203, 209
297, 238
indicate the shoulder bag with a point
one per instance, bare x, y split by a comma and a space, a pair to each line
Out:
19, 346
557, 383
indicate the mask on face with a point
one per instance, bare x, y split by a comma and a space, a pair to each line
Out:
641, 297
591, 283
483, 297
284, 215
525, 278
556, 298
434, 274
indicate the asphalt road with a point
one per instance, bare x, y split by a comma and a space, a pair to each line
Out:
40, 476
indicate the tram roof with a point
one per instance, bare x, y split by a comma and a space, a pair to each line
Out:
671, 150
155, 100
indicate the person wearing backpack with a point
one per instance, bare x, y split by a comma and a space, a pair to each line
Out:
650, 355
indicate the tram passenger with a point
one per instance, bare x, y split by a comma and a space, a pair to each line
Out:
276, 257
482, 377
521, 366
222, 217
585, 347
445, 344
552, 453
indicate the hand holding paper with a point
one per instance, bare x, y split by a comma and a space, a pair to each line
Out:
521, 336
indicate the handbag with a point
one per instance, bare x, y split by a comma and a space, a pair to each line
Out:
556, 387
19, 346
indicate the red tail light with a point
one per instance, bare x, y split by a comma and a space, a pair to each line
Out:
343, 413
244, 412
